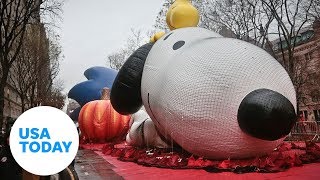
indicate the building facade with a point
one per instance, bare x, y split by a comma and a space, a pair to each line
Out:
306, 69
12, 101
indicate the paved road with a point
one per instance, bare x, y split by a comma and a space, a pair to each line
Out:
90, 166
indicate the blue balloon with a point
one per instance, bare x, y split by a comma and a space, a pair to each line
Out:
98, 78
75, 114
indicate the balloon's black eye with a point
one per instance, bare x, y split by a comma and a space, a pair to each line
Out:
167, 36
178, 45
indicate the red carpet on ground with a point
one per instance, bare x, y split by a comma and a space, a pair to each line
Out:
286, 156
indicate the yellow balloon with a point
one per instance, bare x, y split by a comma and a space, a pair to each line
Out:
182, 14
156, 36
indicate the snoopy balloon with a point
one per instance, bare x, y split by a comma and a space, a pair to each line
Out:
216, 97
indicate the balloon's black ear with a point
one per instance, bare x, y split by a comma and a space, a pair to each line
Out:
125, 94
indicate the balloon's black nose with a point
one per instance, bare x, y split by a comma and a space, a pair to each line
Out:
266, 114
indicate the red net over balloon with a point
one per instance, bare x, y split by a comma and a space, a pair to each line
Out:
284, 157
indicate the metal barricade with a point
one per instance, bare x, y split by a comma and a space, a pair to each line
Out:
308, 130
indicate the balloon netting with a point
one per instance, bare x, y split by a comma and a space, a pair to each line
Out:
285, 156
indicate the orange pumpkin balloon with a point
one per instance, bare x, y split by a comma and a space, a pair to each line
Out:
99, 122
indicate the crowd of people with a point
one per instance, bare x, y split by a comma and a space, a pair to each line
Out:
10, 169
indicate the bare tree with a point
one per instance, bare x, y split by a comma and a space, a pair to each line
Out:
47, 72
315, 9
310, 90
55, 97
291, 16
258, 22
15, 17
306, 78
135, 40
160, 23
244, 19
38, 66
247, 20
23, 73
117, 59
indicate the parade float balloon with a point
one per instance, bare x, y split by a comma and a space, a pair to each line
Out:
75, 114
128, 87
216, 97
143, 132
99, 122
98, 78
182, 14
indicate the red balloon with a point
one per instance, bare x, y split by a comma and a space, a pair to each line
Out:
99, 122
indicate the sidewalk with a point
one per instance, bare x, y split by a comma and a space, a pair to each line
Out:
90, 166
94, 165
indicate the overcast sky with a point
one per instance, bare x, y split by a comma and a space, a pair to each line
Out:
92, 29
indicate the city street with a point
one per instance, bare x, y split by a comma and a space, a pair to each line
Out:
93, 165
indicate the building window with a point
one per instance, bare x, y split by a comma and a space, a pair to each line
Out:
307, 35
283, 45
315, 96
313, 78
305, 113
315, 99
308, 56
8, 93
316, 114
303, 100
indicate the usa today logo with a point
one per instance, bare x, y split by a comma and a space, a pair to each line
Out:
44, 140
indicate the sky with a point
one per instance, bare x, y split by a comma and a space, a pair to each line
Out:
92, 29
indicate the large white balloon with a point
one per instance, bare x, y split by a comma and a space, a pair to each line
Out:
143, 132
193, 83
